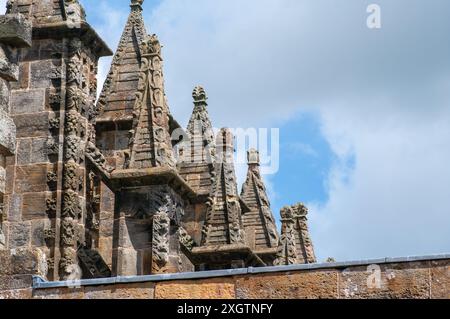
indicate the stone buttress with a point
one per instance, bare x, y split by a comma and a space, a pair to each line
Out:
52, 105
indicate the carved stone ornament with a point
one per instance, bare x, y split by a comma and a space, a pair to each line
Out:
185, 239
71, 205
160, 241
50, 207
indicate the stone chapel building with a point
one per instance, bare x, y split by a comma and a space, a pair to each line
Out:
99, 188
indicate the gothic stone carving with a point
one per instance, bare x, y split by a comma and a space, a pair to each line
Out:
287, 251
185, 239
71, 205
51, 207
160, 241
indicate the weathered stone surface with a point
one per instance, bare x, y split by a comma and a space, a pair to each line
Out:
123, 291
32, 178
29, 101
15, 208
202, 289
38, 236
41, 72
39, 150
7, 133
59, 293
26, 261
440, 279
15, 282
2, 180
23, 151
4, 96
17, 294
34, 205
299, 285
32, 125
386, 281
15, 30
19, 235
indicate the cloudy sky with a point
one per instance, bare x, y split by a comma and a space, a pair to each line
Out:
364, 114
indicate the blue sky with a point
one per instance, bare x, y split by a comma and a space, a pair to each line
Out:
363, 114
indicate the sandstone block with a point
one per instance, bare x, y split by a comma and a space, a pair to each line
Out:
15, 282
59, 293
14, 213
23, 151
41, 73
440, 279
2, 180
32, 178
34, 206
32, 125
15, 30
399, 281
19, 235
127, 291
219, 288
16, 294
27, 261
299, 285
7, 134
30, 101
4, 96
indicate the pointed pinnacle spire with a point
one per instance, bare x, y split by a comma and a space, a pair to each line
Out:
295, 245
255, 195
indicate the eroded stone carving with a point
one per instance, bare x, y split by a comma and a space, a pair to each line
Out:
49, 234
295, 245
52, 146
53, 124
51, 207
71, 205
68, 232
160, 241
52, 177
287, 251
97, 157
185, 239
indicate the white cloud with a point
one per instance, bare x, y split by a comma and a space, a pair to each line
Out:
2, 6
382, 97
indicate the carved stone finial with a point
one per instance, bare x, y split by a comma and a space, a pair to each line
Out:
136, 4
199, 95
253, 157
286, 213
151, 45
300, 210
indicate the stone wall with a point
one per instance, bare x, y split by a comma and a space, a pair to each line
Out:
421, 278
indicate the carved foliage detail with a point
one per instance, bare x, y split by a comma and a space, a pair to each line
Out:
160, 241
71, 205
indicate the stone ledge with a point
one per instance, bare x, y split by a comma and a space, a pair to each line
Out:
39, 283
15, 30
